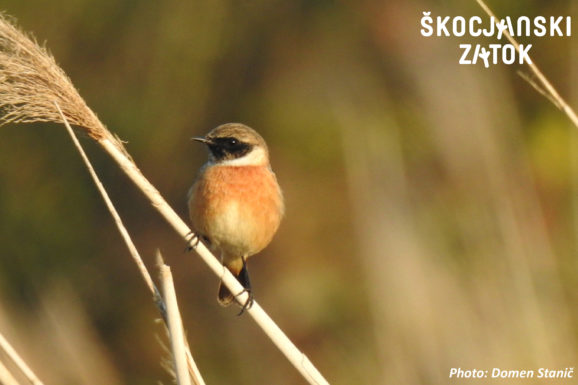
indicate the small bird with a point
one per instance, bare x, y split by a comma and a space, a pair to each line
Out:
235, 203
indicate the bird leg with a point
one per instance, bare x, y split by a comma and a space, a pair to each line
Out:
246, 282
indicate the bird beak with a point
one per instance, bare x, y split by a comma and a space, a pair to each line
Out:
200, 139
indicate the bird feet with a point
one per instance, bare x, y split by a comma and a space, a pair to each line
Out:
192, 241
248, 303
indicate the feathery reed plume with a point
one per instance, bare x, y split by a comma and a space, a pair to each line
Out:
31, 83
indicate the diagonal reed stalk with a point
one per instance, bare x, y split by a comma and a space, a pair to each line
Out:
5, 375
31, 82
542, 85
167, 316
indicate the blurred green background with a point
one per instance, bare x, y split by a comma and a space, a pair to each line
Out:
431, 208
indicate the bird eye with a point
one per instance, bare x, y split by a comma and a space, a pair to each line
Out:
229, 146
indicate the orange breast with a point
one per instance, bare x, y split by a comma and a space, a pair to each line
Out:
238, 208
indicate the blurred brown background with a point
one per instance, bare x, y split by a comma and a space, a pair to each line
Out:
431, 207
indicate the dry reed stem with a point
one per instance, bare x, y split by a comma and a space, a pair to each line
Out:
110, 206
175, 325
30, 84
544, 87
158, 299
15, 357
6, 378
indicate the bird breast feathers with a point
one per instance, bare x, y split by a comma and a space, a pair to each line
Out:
244, 209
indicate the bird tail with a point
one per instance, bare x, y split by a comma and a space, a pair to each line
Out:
225, 297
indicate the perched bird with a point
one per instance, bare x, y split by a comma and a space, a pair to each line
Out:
235, 202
